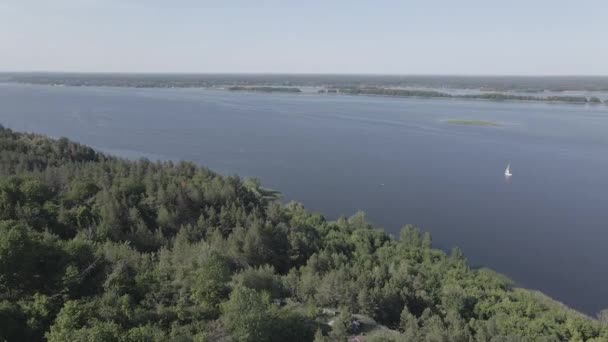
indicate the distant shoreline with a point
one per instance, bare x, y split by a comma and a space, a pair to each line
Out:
427, 93
266, 89
493, 96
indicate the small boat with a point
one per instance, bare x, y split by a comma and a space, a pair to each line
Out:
508, 171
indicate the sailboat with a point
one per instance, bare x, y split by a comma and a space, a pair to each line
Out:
508, 171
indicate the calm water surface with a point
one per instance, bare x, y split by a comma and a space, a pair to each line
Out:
396, 159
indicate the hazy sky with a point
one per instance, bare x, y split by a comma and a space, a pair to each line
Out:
306, 36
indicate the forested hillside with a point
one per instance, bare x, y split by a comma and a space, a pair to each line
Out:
95, 248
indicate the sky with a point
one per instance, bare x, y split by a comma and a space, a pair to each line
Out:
464, 37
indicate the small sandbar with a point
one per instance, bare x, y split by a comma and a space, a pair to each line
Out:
474, 123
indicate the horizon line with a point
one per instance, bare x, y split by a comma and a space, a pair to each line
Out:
293, 73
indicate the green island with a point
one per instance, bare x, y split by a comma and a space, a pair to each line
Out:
266, 89
438, 94
474, 123
98, 248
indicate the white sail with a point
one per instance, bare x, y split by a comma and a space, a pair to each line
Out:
508, 170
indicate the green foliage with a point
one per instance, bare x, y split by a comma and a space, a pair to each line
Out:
594, 100
94, 248
16, 256
263, 278
12, 322
341, 326
319, 337
248, 315
210, 284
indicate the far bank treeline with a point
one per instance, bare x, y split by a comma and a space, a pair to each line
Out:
497, 88
265, 89
438, 94
95, 248
163, 80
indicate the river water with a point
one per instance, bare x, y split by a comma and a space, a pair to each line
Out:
397, 159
